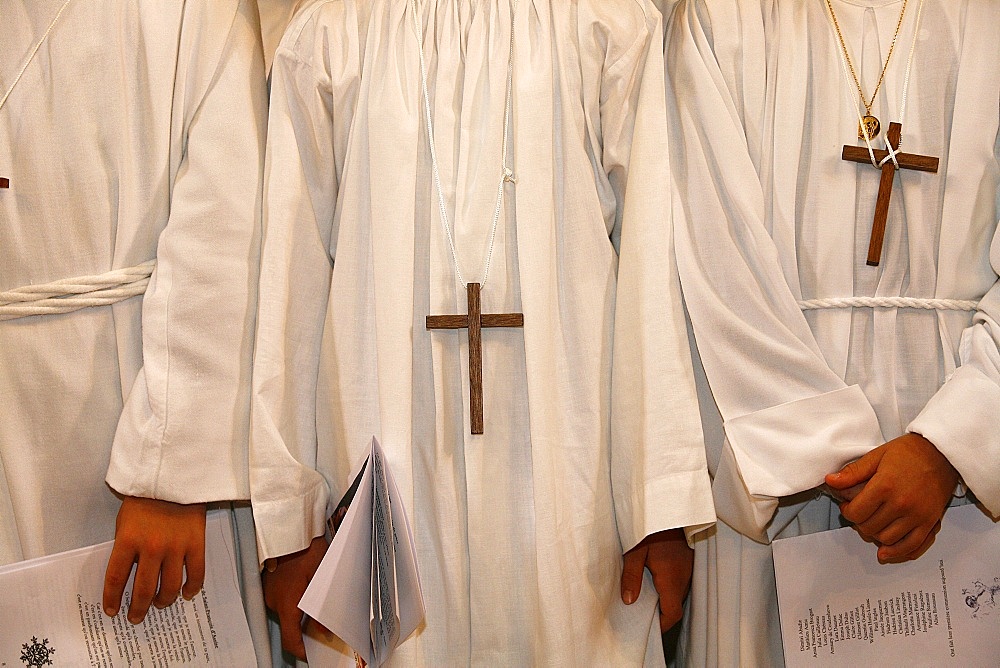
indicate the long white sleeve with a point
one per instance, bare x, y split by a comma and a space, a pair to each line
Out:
660, 477
183, 432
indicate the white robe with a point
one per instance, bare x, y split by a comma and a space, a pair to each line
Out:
768, 214
135, 133
592, 438
274, 18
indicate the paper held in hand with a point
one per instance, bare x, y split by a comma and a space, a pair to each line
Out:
367, 589
840, 607
50, 614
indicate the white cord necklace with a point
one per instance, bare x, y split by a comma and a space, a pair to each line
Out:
893, 150
31, 56
506, 174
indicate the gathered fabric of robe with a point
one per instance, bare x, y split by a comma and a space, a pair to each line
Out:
592, 437
136, 133
767, 214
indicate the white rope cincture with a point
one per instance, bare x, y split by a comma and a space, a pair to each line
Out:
889, 302
72, 294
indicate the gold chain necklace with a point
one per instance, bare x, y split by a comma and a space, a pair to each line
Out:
869, 127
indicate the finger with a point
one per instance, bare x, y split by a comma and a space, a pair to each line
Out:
116, 577
903, 548
896, 531
856, 472
864, 506
914, 554
879, 521
171, 575
635, 562
671, 612
147, 577
851, 493
327, 633
314, 628
290, 620
194, 564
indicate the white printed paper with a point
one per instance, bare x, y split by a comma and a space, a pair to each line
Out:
51, 613
367, 589
840, 607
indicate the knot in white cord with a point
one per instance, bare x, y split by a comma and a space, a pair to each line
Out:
72, 294
508, 175
892, 153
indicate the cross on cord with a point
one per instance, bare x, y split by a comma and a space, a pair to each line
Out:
475, 321
920, 163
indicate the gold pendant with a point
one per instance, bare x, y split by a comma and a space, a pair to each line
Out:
871, 124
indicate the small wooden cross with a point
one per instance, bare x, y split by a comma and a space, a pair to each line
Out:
4, 183
475, 321
921, 163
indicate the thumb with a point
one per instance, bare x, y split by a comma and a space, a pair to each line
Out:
857, 472
635, 562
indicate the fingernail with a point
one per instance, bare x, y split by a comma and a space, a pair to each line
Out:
629, 597
110, 612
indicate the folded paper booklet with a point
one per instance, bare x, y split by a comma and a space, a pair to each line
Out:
840, 607
51, 614
367, 589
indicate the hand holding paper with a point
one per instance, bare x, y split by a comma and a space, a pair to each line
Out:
907, 485
840, 607
54, 604
165, 539
367, 589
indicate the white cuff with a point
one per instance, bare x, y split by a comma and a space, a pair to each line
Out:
961, 420
789, 448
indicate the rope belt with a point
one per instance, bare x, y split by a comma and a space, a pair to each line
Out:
73, 294
889, 302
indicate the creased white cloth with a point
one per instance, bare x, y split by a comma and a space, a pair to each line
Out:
592, 438
768, 215
135, 133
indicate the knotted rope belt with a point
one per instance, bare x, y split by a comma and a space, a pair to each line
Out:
72, 294
889, 302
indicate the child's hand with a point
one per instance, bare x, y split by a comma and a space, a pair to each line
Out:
907, 486
285, 580
165, 539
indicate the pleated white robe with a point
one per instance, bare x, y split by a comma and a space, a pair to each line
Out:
135, 133
592, 438
768, 214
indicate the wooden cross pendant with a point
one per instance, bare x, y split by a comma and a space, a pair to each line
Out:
921, 163
475, 321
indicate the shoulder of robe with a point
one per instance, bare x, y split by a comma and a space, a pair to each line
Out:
322, 27
727, 26
618, 25
631, 17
